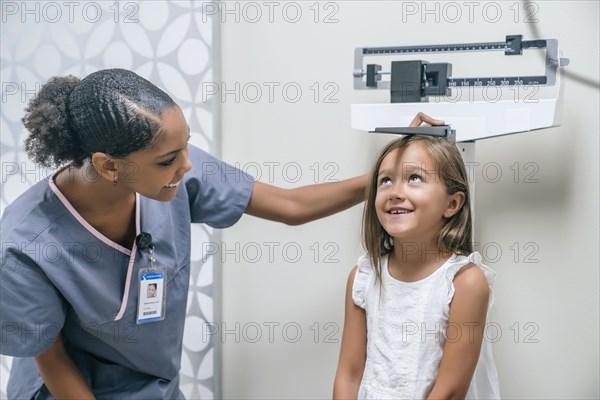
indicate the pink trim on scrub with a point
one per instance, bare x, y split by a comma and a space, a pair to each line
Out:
131, 259
131, 253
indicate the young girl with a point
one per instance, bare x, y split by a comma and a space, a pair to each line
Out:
126, 172
416, 303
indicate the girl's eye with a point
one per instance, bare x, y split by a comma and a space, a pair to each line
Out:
385, 181
168, 162
415, 178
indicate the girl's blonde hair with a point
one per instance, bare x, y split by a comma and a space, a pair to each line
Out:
455, 235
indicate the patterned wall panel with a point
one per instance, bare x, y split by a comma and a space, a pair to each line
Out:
169, 43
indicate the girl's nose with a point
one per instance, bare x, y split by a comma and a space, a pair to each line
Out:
397, 193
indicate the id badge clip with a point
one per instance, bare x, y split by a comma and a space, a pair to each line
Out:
152, 289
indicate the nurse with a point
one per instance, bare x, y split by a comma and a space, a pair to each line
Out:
127, 173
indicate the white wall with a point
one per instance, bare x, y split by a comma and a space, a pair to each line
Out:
546, 298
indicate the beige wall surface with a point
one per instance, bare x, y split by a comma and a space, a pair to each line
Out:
285, 91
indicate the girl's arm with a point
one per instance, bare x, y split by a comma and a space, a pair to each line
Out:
466, 323
353, 352
60, 375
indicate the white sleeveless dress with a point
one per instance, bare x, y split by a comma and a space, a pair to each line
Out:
407, 326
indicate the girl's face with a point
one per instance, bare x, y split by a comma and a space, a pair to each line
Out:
151, 291
411, 200
157, 171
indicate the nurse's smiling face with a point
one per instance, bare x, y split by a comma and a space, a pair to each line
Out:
156, 172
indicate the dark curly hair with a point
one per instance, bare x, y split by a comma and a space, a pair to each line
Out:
113, 111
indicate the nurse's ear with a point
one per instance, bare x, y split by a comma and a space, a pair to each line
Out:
106, 166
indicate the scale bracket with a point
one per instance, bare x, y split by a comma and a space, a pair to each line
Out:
444, 131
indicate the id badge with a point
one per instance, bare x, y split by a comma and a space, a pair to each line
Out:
152, 295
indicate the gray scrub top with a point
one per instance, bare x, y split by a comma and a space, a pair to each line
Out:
60, 276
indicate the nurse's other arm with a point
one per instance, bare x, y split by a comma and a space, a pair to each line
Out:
353, 351
308, 203
60, 375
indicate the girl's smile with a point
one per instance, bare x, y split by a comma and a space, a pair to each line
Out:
398, 211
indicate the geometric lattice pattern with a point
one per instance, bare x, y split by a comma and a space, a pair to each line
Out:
168, 43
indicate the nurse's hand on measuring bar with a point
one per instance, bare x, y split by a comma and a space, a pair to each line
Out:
424, 120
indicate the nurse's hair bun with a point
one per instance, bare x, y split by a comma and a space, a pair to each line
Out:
51, 142
113, 111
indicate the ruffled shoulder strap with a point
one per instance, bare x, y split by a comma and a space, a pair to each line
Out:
456, 263
362, 280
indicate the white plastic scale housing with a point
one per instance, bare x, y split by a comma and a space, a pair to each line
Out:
471, 121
